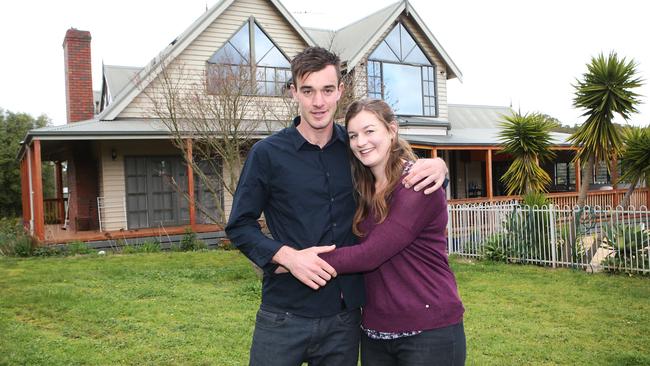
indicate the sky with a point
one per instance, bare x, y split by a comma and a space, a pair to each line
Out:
526, 54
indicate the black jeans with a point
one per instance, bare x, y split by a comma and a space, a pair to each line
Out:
443, 346
285, 339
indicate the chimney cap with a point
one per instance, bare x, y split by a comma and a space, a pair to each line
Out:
76, 34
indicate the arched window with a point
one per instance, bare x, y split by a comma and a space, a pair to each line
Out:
249, 52
401, 74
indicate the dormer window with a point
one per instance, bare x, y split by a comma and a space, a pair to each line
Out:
250, 52
401, 74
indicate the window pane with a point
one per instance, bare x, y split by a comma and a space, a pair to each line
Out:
266, 54
228, 55
274, 58
262, 44
415, 56
403, 85
260, 73
393, 40
407, 42
383, 53
241, 42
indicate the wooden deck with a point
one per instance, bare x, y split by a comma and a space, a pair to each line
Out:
55, 234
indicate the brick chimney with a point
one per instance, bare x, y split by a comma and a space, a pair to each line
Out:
83, 167
78, 75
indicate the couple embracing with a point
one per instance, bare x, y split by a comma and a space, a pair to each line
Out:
358, 247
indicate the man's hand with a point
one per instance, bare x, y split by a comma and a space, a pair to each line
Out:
424, 172
306, 265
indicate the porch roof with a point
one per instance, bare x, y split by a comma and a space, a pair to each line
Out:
120, 129
473, 137
93, 129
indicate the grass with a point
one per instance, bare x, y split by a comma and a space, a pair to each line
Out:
199, 308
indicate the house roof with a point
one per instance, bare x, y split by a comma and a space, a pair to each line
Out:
353, 41
476, 116
119, 77
473, 137
178, 45
122, 128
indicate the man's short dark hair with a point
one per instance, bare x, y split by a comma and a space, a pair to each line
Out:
314, 59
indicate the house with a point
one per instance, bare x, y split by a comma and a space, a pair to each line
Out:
120, 162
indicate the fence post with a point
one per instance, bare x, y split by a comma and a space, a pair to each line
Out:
449, 229
551, 221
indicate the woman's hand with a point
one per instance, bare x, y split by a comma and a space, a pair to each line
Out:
426, 173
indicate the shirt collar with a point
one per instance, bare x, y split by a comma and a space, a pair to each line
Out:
298, 140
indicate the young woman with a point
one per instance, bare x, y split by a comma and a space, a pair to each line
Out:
413, 314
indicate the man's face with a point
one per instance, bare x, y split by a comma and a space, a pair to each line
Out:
317, 95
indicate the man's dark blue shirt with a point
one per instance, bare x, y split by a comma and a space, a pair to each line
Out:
306, 195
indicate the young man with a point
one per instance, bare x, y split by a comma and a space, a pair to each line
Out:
300, 178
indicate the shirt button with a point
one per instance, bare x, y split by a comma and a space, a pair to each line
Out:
331, 199
334, 224
327, 174
426, 306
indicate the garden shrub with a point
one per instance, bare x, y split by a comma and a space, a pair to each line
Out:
77, 247
14, 240
630, 246
493, 249
190, 242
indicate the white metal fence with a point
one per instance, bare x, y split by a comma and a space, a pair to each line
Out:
593, 238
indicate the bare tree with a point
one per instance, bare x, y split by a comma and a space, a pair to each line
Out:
222, 112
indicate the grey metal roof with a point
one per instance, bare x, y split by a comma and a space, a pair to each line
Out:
352, 39
323, 38
118, 77
474, 137
422, 121
476, 116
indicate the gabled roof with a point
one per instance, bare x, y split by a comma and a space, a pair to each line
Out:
178, 45
353, 42
119, 77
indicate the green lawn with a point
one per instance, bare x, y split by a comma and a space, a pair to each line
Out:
199, 308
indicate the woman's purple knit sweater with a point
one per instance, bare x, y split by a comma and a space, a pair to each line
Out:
409, 285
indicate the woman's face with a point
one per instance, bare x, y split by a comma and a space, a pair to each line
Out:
370, 140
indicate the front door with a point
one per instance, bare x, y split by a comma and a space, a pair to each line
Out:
155, 189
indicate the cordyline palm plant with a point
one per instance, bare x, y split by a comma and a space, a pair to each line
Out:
606, 89
527, 138
635, 159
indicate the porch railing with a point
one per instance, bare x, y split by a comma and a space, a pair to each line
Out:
608, 198
54, 210
593, 238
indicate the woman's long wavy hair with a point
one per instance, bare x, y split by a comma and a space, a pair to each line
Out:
368, 200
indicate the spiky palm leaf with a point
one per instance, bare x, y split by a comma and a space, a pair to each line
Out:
606, 89
527, 138
635, 158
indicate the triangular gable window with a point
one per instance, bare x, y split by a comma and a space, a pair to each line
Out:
271, 67
399, 46
395, 69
